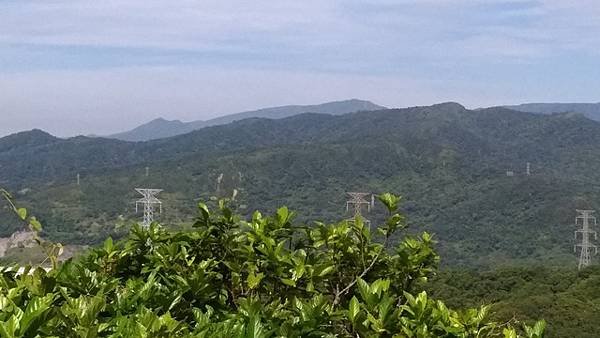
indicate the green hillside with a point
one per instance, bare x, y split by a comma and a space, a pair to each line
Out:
447, 162
567, 299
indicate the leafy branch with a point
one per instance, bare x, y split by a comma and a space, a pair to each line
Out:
51, 250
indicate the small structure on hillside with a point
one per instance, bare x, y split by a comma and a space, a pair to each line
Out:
149, 201
358, 200
585, 219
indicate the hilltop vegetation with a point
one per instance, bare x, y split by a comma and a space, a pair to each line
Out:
449, 162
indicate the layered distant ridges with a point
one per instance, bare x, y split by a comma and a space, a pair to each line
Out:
161, 128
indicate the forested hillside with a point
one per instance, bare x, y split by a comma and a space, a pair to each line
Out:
447, 162
567, 299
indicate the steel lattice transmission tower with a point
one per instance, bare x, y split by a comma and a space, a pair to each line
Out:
584, 218
357, 201
149, 201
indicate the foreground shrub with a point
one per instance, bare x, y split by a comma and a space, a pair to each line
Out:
230, 277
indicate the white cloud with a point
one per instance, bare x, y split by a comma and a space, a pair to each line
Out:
526, 28
150, 23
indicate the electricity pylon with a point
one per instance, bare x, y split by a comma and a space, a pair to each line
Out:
219, 181
148, 201
358, 201
586, 247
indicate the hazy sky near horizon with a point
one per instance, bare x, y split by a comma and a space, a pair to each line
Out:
88, 66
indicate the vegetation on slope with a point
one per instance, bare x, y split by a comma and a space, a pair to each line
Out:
568, 299
449, 162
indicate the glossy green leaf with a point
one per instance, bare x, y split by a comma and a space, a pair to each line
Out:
22, 212
354, 309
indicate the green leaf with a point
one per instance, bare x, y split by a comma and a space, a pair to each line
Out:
35, 309
282, 215
108, 245
287, 281
390, 201
538, 329
364, 289
253, 280
354, 309
509, 333
482, 314
380, 285
9, 328
22, 212
35, 224
204, 210
326, 271
540, 326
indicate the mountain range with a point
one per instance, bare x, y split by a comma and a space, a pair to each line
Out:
590, 110
449, 163
161, 128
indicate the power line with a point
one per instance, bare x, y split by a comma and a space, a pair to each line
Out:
583, 219
149, 201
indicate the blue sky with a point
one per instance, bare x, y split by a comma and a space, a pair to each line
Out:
80, 67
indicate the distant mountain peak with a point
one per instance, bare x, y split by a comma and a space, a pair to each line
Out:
357, 102
157, 128
163, 120
450, 105
35, 131
29, 138
32, 134
161, 128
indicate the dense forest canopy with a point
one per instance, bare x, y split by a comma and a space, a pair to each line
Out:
568, 299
